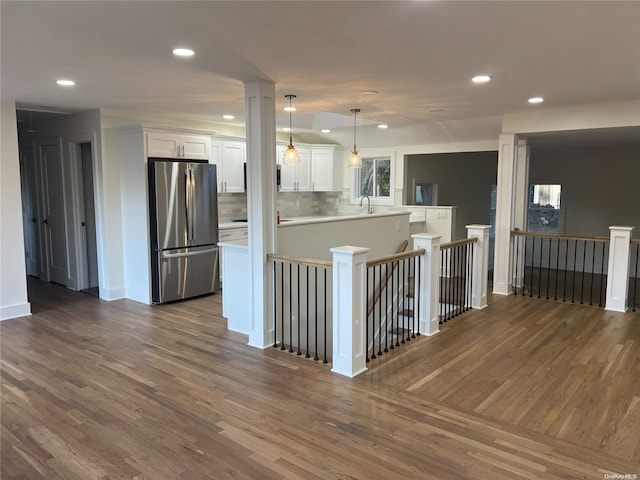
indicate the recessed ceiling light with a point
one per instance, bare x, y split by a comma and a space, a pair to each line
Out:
383, 126
183, 52
325, 130
289, 108
481, 79
536, 100
228, 117
286, 129
370, 92
66, 83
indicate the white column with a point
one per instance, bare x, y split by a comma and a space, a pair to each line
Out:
480, 266
520, 208
513, 173
13, 276
261, 205
618, 272
427, 290
349, 310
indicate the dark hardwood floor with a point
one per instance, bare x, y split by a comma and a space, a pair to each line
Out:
525, 388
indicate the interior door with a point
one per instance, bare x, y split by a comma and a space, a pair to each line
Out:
29, 209
53, 214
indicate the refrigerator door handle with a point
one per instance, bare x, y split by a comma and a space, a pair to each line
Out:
188, 254
188, 199
194, 207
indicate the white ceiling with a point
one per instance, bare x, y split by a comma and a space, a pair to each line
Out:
420, 56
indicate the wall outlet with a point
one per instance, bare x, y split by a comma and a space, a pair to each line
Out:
443, 215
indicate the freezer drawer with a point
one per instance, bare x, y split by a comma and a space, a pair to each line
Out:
185, 272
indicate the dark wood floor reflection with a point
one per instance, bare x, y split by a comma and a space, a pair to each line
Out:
118, 390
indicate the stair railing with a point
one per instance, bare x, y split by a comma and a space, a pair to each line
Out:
390, 285
302, 304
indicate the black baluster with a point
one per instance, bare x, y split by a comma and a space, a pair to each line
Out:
380, 311
524, 266
635, 278
315, 304
441, 302
306, 355
418, 297
407, 267
584, 261
471, 278
533, 255
456, 278
449, 285
549, 269
298, 352
290, 308
398, 307
325, 317
386, 308
275, 305
575, 259
601, 276
373, 315
555, 294
593, 271
282, 346
393, 304
516, 240
366, 307
540, 266
566, 273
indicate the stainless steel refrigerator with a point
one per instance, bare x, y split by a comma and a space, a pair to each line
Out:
183, 211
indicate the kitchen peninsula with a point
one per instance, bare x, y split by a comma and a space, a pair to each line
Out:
308, 238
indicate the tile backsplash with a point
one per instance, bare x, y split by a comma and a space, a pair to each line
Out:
233, 206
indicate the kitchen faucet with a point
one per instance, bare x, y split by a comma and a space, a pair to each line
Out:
369, 210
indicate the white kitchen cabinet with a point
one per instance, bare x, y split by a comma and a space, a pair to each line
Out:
324, 174
174, 145
316, 172
230, 157
295, 178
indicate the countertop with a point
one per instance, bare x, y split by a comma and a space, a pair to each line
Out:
226, 225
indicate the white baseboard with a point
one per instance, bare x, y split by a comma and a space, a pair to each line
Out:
15, 311
110, 294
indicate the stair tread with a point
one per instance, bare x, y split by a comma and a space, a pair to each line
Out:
406, 312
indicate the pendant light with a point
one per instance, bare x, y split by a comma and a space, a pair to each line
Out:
291, 155
355, 160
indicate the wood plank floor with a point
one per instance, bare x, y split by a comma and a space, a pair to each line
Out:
525, 389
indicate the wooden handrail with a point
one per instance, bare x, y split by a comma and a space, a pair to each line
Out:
395, 257
383, 281
464, 241
312, 262
520, 233
635, 240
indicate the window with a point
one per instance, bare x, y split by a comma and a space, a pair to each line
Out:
545, 213
374, 180
426, 194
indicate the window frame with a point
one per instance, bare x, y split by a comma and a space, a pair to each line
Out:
355, 178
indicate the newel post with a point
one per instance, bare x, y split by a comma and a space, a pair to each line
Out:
427, 290
349, 310
480, 265
618, 272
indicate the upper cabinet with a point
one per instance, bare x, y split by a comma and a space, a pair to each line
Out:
316, 171
295, 178
230, 157
325, 174
175, 145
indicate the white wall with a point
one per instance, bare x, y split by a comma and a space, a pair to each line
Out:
381, 233
13, 276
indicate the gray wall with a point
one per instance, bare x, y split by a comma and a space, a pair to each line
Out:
600, 186
464, 180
